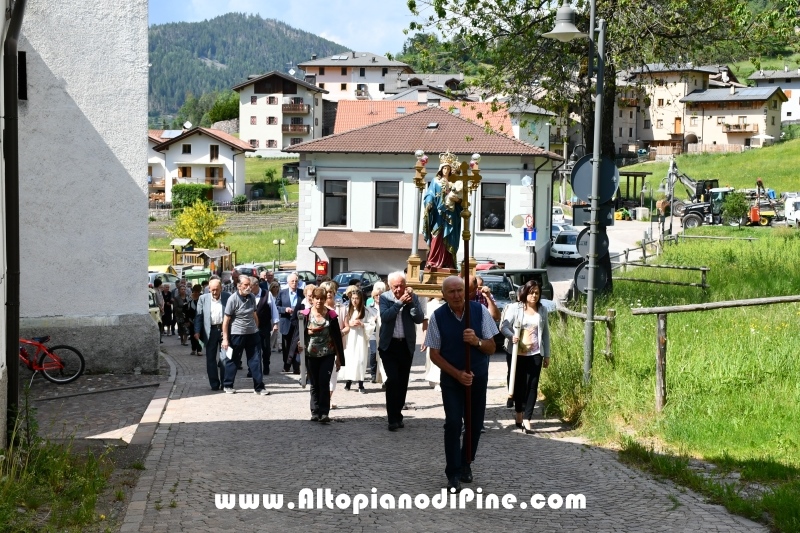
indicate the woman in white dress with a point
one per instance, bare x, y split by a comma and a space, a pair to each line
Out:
359, 323
432, 372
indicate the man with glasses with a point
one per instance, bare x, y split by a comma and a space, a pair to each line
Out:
243, 336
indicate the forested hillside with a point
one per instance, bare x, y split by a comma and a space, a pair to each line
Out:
202, 57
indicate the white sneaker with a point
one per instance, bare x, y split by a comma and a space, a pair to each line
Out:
438, 388
229, 390
263, 392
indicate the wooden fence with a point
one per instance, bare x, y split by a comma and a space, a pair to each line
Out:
609, 319
661, 330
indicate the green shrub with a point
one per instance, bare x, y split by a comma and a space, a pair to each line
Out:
239, 200
186, 194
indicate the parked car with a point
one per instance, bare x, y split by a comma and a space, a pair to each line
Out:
558, 228
520, 277
485, 263
304, 276
565, 248
558, 215
155, 312
368, 280
503, 292
172, 279
251, 269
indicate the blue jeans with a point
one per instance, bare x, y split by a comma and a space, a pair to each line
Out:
454, 400
251, 345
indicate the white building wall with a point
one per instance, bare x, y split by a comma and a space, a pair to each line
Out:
333, 79
84, 198
361, 171
790, 110
3, 287
533, 129
199, 160
263, 132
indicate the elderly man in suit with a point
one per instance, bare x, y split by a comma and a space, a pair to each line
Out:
208, 328
267, 320
400, 313
289, 303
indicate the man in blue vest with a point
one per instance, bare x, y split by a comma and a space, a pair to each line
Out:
448, 337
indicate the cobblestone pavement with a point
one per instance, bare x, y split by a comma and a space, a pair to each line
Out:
102, 406
209, 442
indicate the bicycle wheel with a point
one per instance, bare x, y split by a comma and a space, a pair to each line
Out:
62, 364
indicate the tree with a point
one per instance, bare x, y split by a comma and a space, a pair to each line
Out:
533, 69
735, 208
199, 223
226, 107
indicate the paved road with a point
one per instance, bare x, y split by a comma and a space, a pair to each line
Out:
209, 443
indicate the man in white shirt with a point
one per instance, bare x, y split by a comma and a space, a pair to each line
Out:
208, 327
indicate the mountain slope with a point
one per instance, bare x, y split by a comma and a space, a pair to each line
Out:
201, 57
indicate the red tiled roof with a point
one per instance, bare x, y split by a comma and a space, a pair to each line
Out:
366, 240
219, 135
352, 114
415, 131
155, 135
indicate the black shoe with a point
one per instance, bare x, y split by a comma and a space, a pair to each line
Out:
249, 374
453, 483
315, 418
266, 371
466, 474
510, 403
401, 425
393, 426
374, 380
519, 425
347, 385
324, 419
285, 368
362, 390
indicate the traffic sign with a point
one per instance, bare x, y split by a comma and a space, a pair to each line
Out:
582, 277
583, 243
529, 234
581, 178
529, 221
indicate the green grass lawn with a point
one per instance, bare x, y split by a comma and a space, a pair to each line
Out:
249, 247
254, 167
732, 375
776, 165
743, 69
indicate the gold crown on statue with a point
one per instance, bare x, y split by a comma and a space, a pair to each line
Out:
448, 159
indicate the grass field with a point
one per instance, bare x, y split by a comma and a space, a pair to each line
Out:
254, 172
249, 247
743, 69
733, 376
776, 165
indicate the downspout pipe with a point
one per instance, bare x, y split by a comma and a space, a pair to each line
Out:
11, 156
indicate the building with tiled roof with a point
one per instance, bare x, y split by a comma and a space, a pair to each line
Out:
353, 114
277, 110
357, 195
196, 155
354, 75
735, 116
789, 82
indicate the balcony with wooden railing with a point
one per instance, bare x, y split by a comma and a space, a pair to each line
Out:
295, 128
627, 102
217, 183
740, 128
296, 108
158, 183
362, 94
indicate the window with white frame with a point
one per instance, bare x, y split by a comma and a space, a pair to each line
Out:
659, 123
253, 100
387, 204
693, 121
186, 148
335, 203
493, 206
213, 152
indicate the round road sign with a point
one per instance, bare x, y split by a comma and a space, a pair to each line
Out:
583, 243
582, 277
529, 221
581, 179
517, 221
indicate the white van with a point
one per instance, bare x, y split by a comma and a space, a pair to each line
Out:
558, 215
792, 211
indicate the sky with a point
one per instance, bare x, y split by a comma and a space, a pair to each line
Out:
360, 25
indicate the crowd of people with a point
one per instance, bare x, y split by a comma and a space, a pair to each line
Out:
366, 338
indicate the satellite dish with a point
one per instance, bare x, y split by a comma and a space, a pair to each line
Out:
292, 71
187, 125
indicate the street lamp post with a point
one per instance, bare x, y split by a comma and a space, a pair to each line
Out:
279, 243
565, 31
527, 181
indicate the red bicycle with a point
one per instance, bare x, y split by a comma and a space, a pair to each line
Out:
59, 364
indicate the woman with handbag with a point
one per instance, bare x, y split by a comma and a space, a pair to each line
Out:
533, 351
322, 344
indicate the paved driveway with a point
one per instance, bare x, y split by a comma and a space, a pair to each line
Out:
212, 443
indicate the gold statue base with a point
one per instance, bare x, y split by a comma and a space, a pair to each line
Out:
432, 278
